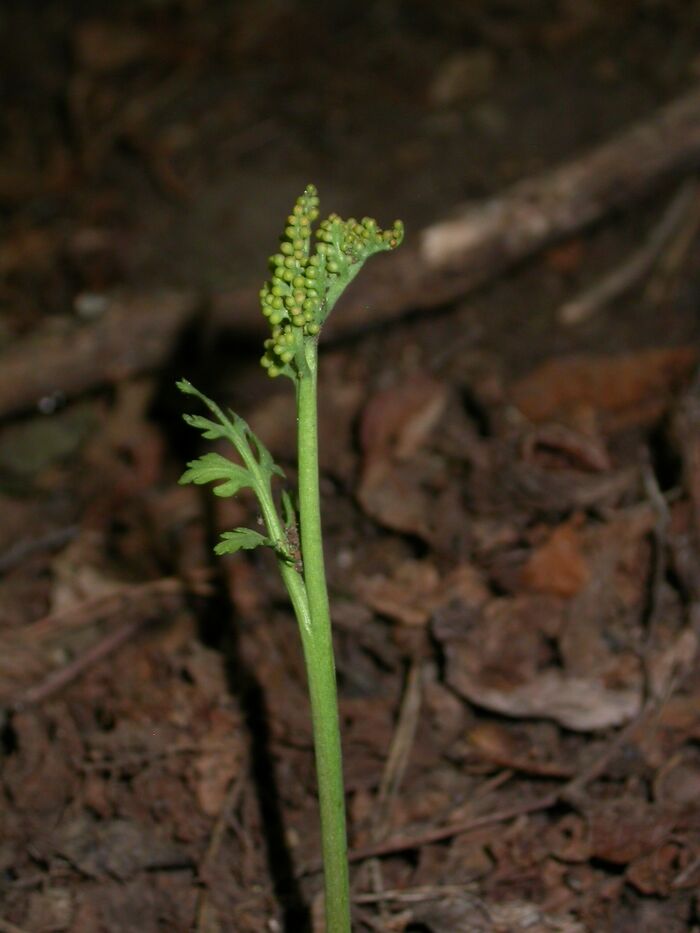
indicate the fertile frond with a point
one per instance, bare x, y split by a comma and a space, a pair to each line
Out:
305, 284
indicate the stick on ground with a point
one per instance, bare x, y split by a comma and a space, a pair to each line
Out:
438, 265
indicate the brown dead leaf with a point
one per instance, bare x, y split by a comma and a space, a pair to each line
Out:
401, 496
568, 490
624, 829
557, 566
610, 601
118, 848
367, 727
676, 725
682, 542
396, 421
399, 482
77, 576
553, 446
214, 770
407, 597
142, 903
39, 776
516, 749
568, 839
445, 713
655, 873
607, 384
503, 661
220, 759
50, 909
448, 915
577, 703
465, 75
678, 780
681, 714
671, 660
416, 591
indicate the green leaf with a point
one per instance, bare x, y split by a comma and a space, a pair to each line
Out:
212, 467
209, 429
185, 386
188, 389
258, 467
241, 539
264, 457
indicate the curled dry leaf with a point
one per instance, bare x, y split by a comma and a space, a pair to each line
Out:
523, 478
564, 491
503, 661
607, 384
577, 703
509, 749
556, 445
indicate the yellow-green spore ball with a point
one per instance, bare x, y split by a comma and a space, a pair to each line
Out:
307, 279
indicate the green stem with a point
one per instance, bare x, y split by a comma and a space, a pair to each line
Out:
275, 529
320, 666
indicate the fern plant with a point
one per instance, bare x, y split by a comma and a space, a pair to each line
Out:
305, 283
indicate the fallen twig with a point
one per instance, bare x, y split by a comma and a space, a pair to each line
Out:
417, 895
449, 258
103, 606
639, 264
668, 269
395, 768
400, 748
402, 843
444, 261
28, 546
570, 793
82, 615
59, 679
231, 799
133, 335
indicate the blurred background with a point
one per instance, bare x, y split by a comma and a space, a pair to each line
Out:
492, 461
159, 143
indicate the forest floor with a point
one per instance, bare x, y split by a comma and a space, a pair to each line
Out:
511, 502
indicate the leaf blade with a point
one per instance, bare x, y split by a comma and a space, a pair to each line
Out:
241, 539
212, 467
